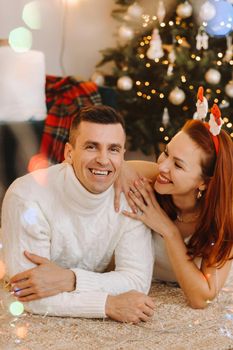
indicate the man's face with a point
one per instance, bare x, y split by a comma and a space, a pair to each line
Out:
97, 155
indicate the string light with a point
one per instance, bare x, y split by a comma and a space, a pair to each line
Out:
216, 100
226, 120
138, 82
166, 138
218, 91
198, 58
219, 63
170, 23
161, 129
148, 65
229, 125
163, 25
147, 83
161, 95
153, 91
220, 55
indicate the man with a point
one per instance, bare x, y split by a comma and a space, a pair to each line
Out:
65, 216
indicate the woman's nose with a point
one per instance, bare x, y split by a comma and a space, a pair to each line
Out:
164, 165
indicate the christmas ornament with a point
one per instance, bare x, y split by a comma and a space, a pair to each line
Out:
165, 117
98, 78
161, 11
125, 33
229, 89
135, 10
176, 96
222, 23
202, 40
215, 121
125, 83
155, 50
184, 10
172, 58
212, 76
207, 11
229, 51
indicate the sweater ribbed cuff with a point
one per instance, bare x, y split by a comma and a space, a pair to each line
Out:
86, 281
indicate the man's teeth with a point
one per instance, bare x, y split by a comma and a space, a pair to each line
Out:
99, 172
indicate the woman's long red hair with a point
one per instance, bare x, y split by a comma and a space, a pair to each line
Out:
213, 237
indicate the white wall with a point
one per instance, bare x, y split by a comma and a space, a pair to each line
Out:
86, 26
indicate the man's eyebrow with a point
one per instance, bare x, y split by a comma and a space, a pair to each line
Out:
95, 143
177, 158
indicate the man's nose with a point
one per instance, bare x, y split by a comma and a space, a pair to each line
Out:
102, 158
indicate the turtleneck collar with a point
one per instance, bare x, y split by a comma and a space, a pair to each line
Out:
77, 195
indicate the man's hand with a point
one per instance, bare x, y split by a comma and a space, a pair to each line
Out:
130, 307
42, 281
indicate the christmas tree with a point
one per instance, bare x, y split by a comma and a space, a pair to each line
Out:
160, 61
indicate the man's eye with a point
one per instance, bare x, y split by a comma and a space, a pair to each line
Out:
115, 149
90, 147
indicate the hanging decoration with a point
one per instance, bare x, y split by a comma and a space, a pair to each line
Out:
213, 76
202, 40
155, 50
207, 11
172, 58
229, 51
165, 117
125, 83
176, 96
135, 10
161, 11
184, 10
202, 105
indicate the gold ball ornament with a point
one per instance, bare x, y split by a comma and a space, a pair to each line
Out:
176, 96
125, 33
135, 10
98, 78
229, 89
212, 76
125, 83
184, 10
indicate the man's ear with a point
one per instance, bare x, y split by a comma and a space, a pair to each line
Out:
68, 151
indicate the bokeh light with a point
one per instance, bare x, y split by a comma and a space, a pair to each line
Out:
30, 216
16, 308
32, 15
20, 39
222, 23
21, 332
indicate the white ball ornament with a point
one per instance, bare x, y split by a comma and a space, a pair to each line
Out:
125, 33
229, 89
135, 10
98, 78
207, 11
184, 10
212, 76
125, 83
176, 96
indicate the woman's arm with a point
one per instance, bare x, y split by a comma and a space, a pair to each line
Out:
199, 285
131, 171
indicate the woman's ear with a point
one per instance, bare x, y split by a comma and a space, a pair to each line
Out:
68, 151
202, 187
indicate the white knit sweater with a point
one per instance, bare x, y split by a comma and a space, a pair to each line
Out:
51, 214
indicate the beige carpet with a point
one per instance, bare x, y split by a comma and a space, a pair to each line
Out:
174, 326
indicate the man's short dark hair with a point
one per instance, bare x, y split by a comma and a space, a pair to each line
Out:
95, 114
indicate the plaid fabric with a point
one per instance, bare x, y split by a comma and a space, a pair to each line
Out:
64, 97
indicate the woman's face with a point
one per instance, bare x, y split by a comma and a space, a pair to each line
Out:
180, 171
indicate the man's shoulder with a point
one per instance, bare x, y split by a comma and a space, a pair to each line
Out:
37, 180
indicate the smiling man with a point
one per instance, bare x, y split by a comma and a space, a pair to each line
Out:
65, 216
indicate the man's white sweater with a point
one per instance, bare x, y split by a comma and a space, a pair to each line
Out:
49, 213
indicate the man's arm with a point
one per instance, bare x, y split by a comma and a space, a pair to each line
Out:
25, 228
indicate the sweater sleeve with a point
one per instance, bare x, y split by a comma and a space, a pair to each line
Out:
24, 227
134, 264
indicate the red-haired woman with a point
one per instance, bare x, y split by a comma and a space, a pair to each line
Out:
189, 209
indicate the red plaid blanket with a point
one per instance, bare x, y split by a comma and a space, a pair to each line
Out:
64, 97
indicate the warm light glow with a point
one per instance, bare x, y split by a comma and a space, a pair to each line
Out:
147, 83
138, 82
153, 91
226, 120
218, 91
166, 138
219, 63
71, 2
148, 97
229, 125
148, 65
161, 129
141, 56
198, 58
161, 95
139, 93
163, 24
220, 55
216, 100
171, 23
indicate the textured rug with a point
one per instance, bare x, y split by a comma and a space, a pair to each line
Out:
174, 326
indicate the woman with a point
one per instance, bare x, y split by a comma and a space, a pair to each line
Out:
190, 210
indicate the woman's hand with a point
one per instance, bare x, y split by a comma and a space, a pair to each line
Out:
151, 214
126, 183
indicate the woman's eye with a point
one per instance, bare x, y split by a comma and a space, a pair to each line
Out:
178, 166
165, 152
